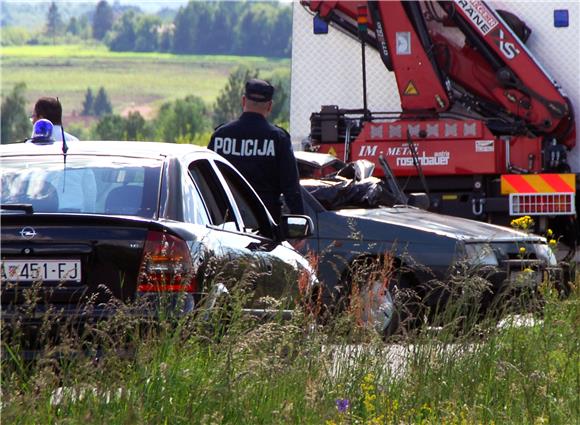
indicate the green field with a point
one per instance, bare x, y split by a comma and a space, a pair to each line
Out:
132, 80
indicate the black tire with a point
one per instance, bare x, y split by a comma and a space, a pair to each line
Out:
407, 307
215, 313
387, 300
378, 308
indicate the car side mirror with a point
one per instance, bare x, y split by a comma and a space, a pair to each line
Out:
419, 200
295, 226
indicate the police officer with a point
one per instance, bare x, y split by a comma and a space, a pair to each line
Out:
262, 152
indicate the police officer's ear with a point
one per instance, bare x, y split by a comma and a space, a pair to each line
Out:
270, 103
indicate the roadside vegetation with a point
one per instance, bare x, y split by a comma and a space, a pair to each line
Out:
522, 370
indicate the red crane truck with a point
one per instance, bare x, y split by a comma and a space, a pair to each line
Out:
482, 127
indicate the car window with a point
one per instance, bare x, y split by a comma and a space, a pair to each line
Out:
220, 211
254, 216
86, 185
194, 210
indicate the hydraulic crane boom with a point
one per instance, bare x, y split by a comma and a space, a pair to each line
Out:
516, 81
460, 53
481, 121
416, 72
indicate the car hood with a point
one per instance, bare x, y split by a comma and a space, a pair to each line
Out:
444, 225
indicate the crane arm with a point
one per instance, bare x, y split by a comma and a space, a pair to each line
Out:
403, 49
459, 53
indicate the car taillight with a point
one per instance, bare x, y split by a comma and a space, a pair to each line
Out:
166, 265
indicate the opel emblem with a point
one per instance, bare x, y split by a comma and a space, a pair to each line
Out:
28, 233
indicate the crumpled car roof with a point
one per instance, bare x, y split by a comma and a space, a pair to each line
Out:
336, 193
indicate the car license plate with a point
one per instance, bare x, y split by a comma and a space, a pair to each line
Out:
41, 270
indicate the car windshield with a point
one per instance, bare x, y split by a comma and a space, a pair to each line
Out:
90, 185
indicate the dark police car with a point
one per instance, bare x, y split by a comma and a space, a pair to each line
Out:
119, 221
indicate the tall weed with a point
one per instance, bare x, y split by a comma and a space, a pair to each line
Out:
245, 370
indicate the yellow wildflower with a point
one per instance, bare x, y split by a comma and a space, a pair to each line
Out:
523, 222
379, 420
369, 396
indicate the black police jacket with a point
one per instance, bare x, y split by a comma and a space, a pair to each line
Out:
263, 154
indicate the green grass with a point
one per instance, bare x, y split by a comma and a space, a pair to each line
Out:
130, 79
98, 51
292, 373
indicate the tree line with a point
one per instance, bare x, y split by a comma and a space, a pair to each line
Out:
228, 28
186, 120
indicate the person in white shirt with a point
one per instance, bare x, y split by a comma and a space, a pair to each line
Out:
76, 187
50, 108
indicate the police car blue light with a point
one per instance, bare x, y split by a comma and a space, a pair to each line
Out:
42, 131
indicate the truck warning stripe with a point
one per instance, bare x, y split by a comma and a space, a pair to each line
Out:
537, 183
561, 182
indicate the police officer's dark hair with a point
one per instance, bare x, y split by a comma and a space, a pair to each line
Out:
49, 108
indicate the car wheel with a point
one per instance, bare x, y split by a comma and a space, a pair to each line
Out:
216, 311
378, 308
382, 298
